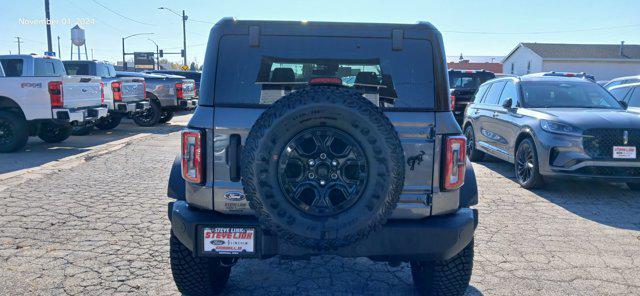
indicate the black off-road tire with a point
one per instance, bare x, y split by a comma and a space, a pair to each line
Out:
109, 122
196, 276
474, 154
326, 107
54, 133
149, 117
444, 278
82, 130
166, 116
16, 129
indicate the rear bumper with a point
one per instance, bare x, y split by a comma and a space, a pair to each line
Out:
79, 115
130, 107
188, 104
433, 238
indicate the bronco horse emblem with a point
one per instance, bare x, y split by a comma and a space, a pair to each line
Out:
416, 159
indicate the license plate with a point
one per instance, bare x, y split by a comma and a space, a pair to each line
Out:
624, 152
229, 240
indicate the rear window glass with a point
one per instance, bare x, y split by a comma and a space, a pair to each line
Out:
12, 67
48, 67
283, 64
77, 68
461, 80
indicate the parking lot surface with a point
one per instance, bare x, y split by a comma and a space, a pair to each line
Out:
90, 219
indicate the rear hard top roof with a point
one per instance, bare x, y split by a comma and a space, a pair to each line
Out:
421, 30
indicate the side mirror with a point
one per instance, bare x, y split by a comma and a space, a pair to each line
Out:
507, 103
624, 105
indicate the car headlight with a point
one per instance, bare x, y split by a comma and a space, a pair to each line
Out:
560, 128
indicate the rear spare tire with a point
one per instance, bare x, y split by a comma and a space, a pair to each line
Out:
323, 167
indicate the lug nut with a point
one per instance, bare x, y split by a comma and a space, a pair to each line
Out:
312, 162
311, 176
334, 176
323, 156
334, 162
322, 182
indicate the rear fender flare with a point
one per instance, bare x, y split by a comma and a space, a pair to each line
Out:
469, 191
176, 187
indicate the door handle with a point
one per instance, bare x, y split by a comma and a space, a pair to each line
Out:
476, 111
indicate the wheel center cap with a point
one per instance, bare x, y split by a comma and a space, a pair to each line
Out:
323, 171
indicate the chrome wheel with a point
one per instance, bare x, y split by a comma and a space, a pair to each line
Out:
322, 171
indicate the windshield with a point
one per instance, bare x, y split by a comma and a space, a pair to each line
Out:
284, 64
562, 94
468, 80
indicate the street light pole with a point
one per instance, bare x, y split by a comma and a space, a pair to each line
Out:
48, 23
124, 62
184, 36
157, 54
184, 32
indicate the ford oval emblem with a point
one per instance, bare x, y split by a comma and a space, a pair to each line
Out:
234, 195
217, 242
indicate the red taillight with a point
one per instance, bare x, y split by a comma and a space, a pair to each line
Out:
179, 92
192, 156
55, 93
325, 81
569, 75
102, 92
455, 162
453, 102
117, 90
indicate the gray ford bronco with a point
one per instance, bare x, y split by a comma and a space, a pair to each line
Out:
317, 138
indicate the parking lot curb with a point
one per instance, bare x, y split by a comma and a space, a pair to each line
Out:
8, 180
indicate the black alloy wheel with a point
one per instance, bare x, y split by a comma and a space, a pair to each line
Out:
322, 171
473, 154
526, 165
6, 133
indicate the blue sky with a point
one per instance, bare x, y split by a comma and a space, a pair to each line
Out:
471, 27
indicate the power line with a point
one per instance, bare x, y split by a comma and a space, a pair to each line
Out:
88, 14
541, 32
119, 14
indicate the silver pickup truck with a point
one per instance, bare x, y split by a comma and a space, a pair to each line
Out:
166, 94
37, 97
124, 96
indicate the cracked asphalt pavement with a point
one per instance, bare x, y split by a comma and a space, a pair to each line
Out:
99, 227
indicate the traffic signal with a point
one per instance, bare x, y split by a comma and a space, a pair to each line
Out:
161, 53
182, 53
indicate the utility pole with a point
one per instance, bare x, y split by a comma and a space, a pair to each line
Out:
18, 44
184, 36
48, 19
92, 54
59, 52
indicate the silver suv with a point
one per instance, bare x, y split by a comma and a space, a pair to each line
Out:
552, 126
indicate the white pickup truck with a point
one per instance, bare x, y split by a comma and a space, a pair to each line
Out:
37, 97
124, 96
